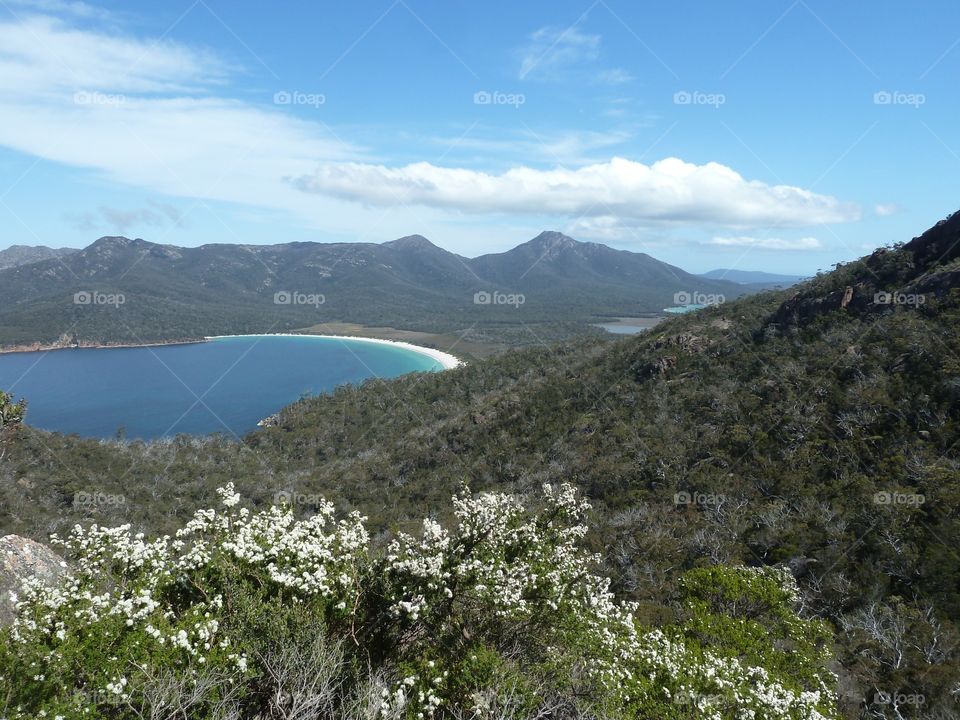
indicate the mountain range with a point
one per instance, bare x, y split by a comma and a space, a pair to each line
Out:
119, 290
25, 254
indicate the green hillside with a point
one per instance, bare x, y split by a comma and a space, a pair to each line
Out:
119, 290
816, 429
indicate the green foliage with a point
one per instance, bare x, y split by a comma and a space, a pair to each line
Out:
743, 610
260, 615
11, 417
722, 437
11, 413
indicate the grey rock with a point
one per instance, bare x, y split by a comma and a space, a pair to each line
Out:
21, 558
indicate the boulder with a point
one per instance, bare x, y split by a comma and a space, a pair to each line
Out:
21, 558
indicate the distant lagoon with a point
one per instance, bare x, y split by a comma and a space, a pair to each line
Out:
629, 325
618, 329
224, 385
683, 309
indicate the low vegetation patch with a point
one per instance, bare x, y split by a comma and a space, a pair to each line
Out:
247, 614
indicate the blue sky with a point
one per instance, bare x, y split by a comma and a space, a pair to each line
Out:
781, 135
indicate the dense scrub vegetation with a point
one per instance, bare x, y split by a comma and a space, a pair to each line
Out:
260, 615
819, 431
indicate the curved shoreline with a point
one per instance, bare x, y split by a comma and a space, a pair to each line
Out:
446, 360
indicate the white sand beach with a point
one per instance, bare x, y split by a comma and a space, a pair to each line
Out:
446, 360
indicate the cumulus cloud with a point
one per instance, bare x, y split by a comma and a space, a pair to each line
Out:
766, 243
668, 191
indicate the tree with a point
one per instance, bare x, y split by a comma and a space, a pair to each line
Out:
11, 415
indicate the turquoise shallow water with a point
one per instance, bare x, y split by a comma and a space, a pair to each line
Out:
225, 385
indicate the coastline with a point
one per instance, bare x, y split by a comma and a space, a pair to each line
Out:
52, 347
446, 360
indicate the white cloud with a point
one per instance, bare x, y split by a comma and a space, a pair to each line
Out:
154, 115
567, 147
147, 114
766, 243
614, 76
668, 191
886, 209
554, 53
73, 8
44, 56
551, 50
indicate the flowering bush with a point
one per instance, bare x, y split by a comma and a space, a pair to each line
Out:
263, 615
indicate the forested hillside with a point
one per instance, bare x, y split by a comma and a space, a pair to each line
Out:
814, 429
119, 290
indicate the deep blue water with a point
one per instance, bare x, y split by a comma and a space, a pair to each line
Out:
225, 385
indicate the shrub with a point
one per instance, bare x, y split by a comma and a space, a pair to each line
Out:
11, 416
263, 615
